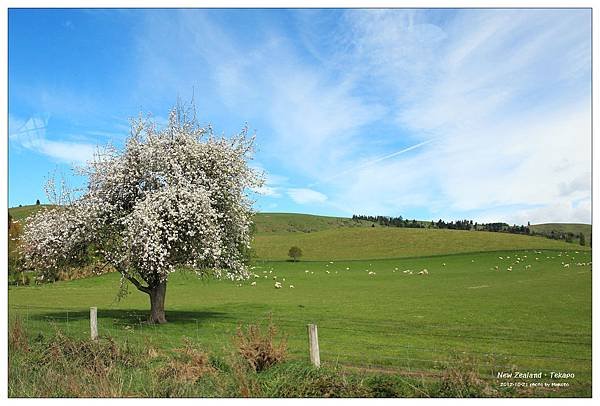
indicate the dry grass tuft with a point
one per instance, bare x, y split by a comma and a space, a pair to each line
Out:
17, 337
259, 349
190, 365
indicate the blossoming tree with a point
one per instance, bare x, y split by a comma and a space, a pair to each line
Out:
175, 197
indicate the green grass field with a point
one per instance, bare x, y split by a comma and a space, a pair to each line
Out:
524, 319
354, 282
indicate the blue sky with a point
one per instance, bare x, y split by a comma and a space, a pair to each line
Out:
480, 114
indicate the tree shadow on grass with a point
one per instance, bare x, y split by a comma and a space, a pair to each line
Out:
126, 316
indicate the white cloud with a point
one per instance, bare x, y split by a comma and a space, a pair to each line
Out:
508, 106
268, 191
31, 135
504, 93
306, 196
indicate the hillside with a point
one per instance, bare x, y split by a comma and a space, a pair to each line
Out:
383, 242
329, 238
20, 213
306, 223
574, 228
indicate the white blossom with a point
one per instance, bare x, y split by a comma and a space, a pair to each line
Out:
174, 197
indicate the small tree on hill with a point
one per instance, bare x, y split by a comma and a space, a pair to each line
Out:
295, 253
173, 197
581, 239
37, 202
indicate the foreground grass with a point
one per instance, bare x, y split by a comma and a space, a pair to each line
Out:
55, 365
524, 319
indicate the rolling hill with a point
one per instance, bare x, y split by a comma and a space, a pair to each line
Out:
329, 238
574, 228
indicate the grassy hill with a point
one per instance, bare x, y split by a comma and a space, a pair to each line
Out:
383, 242
20, 213
574, 228
307, 223
328, 238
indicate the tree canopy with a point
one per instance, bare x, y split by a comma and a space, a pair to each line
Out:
172, 197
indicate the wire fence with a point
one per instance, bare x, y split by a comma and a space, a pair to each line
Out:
384, 346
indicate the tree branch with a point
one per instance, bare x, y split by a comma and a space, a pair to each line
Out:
137, 283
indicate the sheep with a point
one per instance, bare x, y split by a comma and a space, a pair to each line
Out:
347, 268
277, 285
253, 284
424, 272
372, 273
566, 265
500, 258
443, 264
307, 271
291, 286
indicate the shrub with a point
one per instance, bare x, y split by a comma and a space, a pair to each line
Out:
461, 379
258, 348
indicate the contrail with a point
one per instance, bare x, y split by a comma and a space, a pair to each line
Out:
374, 161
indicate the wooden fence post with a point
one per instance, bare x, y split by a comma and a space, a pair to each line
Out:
94, 323
313, 345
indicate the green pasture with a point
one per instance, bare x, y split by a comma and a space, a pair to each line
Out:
391, 242
524, 319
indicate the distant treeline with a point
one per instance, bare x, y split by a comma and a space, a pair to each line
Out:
391, 221
469, 225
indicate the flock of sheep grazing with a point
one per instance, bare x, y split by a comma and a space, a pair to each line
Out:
521, 259
517, 261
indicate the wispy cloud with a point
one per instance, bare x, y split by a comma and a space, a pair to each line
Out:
373, 161
31, 135
306, 196
340, 97
267, 191
506, 93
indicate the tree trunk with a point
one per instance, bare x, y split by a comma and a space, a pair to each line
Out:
157, 303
